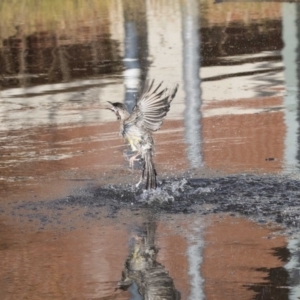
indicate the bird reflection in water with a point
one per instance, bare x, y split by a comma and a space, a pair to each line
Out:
142, 269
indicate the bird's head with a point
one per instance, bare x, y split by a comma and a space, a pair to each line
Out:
119, 109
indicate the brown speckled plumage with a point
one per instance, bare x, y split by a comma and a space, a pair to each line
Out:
137, 127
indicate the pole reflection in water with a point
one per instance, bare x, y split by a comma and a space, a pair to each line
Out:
142, 272
195, 257
297, 23
289, 54
131, 63
293, 267
136, 50
191, 68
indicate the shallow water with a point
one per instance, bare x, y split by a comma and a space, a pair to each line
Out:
225, 218
239, 259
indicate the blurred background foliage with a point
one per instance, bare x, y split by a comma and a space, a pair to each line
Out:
48, 15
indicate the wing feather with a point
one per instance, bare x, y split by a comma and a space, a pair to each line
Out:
152, 106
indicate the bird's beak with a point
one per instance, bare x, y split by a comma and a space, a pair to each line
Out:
111, 107
114, 109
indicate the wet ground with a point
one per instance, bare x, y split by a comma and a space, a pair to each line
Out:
224, 221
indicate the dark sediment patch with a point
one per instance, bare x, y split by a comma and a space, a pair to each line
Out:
264, 198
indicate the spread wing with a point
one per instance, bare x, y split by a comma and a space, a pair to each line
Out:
151, 107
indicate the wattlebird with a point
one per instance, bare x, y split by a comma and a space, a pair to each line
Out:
137, 127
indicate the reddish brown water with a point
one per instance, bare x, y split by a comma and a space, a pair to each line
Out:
236, 112
87, 262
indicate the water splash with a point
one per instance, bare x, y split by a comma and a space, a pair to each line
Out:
159, 195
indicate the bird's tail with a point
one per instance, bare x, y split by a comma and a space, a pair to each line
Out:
149, 169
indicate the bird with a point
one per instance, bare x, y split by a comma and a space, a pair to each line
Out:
137, 127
